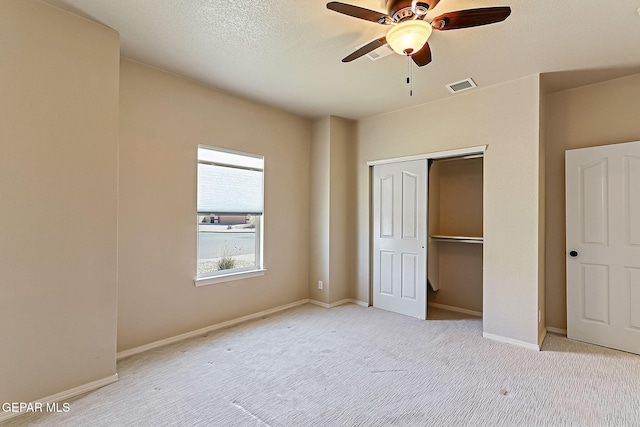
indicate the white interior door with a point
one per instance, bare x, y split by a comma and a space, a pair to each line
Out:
603, 245
400, 237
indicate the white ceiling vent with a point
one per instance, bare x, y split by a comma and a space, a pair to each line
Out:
461, 85
381, 52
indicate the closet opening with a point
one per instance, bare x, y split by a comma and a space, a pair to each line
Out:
455, 217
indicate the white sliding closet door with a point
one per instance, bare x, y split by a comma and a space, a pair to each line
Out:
399, 203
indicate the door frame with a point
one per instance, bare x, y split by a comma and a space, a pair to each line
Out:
458, 152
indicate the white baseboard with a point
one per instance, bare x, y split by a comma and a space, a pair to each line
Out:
337, 303
206, 330
67, 394
557, 330
456, 309
319, 303
360, 303
511, 341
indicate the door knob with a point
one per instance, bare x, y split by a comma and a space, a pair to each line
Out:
573, 254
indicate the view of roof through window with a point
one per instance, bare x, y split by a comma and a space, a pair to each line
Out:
231, 159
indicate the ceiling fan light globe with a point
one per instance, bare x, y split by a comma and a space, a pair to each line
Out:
409, 36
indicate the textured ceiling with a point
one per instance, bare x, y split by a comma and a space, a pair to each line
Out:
288, 53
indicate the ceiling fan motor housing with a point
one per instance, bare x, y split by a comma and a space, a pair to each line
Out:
395, 6
421, 8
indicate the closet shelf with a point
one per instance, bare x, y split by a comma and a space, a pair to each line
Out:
457, 239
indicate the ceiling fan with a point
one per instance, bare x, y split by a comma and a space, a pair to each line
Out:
409, 32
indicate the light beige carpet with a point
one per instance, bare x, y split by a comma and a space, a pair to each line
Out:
356, 366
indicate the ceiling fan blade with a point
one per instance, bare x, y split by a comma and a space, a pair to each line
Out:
371, 46
359, 12
471, 18
423, 56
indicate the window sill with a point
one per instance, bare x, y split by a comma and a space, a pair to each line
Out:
204, 281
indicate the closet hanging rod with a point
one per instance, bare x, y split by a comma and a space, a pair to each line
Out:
457, 239
450, 159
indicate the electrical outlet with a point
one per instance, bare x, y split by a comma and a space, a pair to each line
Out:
320, 284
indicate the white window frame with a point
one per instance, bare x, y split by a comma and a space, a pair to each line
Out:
241, 272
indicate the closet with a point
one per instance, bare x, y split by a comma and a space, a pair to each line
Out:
455, 233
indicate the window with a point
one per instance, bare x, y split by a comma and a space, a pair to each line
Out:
230, 207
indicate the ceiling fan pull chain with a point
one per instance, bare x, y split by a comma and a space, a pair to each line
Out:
409, 75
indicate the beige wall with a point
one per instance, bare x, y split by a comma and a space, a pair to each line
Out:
319, 208
506, 118
459, 276
58, 138
600, 114
542, 219
163, 119
460, 196
343, 209
332, 254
